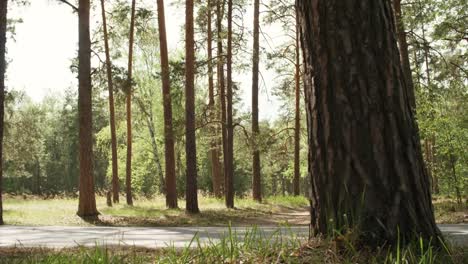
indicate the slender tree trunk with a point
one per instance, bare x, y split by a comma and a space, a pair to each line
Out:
453, 163
3, 28
365, 157
256, 180
221, 85
190, 147
115, 173
297, 129
37, 171
128, 178
171, 187
274, 184
283, 185
435, 180
87, 199
404, 57
157, 160
430, 162
214, 152
228, 166
152, 132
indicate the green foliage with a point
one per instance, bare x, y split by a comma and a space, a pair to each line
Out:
438, 50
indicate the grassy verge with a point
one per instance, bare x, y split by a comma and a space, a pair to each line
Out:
252, 248
152, 212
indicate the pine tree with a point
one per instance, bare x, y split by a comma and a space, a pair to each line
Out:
365, 157
87, 199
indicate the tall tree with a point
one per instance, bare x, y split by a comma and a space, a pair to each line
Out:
191, 195
256, 181
110, 83
214, 151
229, 160
87, 199
171, 188
3, 28
221, 81
128, 178
364, 152
297, 126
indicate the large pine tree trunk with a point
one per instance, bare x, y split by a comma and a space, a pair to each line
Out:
128, 175
3, 28
115, 173
214, 151
297, 128
365, 157
191, 196
256, 181
171, 188
229, 162
87, 199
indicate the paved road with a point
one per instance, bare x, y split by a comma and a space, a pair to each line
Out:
61, 237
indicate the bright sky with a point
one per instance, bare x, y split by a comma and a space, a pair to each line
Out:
46, 41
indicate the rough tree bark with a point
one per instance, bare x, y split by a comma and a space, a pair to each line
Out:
221, 84
87, 199
214, 151
229, 161
256, 180
128, 175
191, 196
297, 128
110, 83
364, 157
3, 28
171, 187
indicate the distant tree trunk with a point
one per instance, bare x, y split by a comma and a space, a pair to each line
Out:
365, 157
115, 173
274, 184
435, 180
256, 180
157, 160
453, 164
87, 199
214, 151
283, 185
190, 147
171, 187
37, 172
228, 166
128, 178
430, 163
221, 85
297, 129
404, 57
154, 145
3, 28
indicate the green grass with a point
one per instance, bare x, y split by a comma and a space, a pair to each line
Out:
254, 247
152, 212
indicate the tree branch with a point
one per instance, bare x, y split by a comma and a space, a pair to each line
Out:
69, 4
